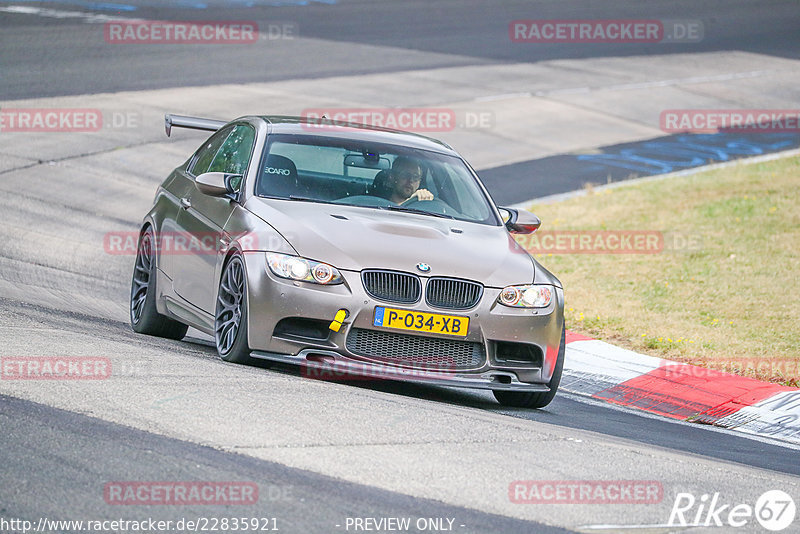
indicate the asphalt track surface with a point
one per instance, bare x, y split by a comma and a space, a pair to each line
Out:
89, 453
71, 57
566, 410
56, 461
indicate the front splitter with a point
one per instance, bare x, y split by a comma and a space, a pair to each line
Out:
330, 365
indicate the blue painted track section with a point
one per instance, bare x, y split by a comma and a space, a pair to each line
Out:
518, 182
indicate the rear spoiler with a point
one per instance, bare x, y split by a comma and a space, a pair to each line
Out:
193, 123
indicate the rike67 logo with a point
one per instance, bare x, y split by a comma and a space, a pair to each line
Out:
775, 510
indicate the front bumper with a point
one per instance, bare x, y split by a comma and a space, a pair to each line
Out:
271, 299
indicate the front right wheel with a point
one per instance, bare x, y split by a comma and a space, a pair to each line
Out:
536, 399
230, 319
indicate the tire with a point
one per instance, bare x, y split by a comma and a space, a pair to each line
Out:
536, 399
230, 317
144, 316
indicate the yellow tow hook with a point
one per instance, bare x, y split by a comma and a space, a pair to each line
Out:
340, 317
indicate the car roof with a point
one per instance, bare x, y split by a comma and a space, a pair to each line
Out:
285, 124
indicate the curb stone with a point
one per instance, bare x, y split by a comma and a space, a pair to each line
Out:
682, 391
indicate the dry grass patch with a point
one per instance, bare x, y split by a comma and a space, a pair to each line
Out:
730, 300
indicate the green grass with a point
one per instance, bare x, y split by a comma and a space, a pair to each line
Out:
726, 287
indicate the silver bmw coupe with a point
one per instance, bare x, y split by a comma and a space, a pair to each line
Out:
348, 249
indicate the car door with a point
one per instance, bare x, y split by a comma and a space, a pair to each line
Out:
181, 183
201, 220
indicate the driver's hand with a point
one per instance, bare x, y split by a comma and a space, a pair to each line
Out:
422, 194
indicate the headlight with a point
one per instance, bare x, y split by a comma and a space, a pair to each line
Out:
527, 296
297, 268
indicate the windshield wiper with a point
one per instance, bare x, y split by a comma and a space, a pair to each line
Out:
309, 199
416, 210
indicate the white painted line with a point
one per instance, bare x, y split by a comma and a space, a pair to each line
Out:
59, 14
89, 18
505, 96
626, 527
583, 398
659, 83
631, 86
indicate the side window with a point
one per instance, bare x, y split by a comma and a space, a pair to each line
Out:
234, 154
206, 153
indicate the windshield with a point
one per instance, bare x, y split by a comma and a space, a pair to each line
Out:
372, 175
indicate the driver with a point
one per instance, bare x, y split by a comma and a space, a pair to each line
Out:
404, 179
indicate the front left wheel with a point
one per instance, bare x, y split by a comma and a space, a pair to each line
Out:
536, 399
145, 318
230, 319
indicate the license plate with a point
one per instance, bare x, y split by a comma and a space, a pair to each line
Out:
433, 323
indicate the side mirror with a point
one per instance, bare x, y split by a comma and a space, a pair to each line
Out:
520, 221
218, 184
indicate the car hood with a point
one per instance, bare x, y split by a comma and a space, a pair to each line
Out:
356, 238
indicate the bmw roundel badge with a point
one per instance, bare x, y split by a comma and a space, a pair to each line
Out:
424, 267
